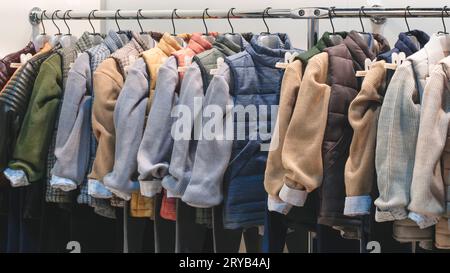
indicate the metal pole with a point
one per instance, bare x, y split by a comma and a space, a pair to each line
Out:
313, 32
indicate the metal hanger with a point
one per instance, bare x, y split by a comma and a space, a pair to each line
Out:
335, 38
364, 34
229, 21
54, 40
68, 39
236, 38
406, 20
330, 16
444, 9
174, 33
42, 38
266, 38
95, 37
266, 11
145, 36
123, 34
206, 35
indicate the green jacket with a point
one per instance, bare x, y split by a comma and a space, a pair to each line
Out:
30, 151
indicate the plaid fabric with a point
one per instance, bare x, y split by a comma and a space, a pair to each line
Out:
168, 208
117, 202
142, 207
68, 56
97, 55
203, 217
134, 48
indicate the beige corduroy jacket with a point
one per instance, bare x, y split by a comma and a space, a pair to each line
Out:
363, 117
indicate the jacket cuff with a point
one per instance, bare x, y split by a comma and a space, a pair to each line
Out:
423, 221
175, 188
125, 196
98, 190
392, 214
294, 197
150, 188
357, 205
63, 184
276, 205
17, 178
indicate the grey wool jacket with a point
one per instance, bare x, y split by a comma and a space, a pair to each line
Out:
205, 187
154, 159
130, 116
398, 129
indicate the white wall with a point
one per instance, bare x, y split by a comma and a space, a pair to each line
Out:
295, 28
16, 30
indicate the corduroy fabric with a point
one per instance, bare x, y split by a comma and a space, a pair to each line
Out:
363, 117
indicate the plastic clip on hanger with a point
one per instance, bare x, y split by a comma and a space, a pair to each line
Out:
174, 33
95, 37
397, 59
266, 38
68, 39
206, 35
145, 36
288, 58
40, 40
367, 64
54, 40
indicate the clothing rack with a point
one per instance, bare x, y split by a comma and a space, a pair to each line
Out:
377, 15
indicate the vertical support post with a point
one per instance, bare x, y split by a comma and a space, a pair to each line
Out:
311, 236
34, 21
313, 32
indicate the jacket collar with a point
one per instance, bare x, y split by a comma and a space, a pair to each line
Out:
436, 48
361, 45
198, 44
132, 49
269, 56
446, 67
168, 44
406, 45
113, 41
227, 46
84, 42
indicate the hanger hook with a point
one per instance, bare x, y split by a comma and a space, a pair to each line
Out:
331, 10
174, 12
53, 20
205, 12
266, 11
406, 19
115, 19
138, 16
444, 9
42, 21
229, 21
92, 14
361, 11
65, 22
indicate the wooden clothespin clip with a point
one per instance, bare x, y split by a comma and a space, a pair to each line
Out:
288, 58
397, 59
187, 63
367, 64
220, 62
23, 59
